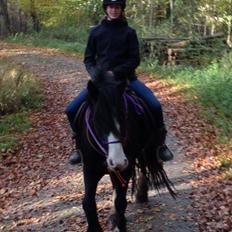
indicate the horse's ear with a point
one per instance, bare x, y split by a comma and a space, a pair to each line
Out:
92, 89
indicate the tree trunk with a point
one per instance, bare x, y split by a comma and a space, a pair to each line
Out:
21, 22
229, 39
151, 14
171, 4
212, 31
4, 17
229, 28
34, 16
205, 27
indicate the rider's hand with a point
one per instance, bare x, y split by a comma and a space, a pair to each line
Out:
95, 72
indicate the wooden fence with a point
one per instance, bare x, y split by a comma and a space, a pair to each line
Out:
171, 51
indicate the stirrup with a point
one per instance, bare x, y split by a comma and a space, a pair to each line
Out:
75, 157
164, 153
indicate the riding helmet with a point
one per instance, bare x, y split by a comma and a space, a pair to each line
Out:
110, 2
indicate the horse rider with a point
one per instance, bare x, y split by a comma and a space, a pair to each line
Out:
113, 49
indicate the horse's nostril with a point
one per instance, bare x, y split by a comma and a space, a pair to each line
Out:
111, 162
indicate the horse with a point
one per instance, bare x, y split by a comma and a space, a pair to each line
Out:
115, 137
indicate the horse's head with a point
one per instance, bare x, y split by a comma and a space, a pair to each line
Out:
107, 104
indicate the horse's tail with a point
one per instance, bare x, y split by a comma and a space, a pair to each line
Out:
157, 177
148, 162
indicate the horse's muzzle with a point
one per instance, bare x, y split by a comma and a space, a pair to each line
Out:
116, 166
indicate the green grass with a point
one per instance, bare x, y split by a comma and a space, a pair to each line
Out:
20, 92
71, 40
226, 166
10, 127
225, 162
209, 86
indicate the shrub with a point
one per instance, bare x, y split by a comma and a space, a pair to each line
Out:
10, 125
18, 89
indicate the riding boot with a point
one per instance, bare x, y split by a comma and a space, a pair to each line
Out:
163, 152
75, 157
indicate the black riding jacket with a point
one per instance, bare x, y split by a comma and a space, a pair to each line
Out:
112, 45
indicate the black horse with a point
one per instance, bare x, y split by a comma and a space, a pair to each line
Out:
116, 136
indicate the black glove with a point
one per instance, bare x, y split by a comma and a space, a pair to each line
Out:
95, 73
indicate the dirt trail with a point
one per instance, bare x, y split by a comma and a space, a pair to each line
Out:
45, 191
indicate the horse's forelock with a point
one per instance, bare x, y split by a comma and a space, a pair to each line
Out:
108, 105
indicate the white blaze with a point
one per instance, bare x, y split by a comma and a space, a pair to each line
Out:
116, 156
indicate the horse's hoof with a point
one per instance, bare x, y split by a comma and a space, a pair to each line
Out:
112, 222
141, 198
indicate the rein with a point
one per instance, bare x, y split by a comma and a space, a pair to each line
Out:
89, 129
138, 108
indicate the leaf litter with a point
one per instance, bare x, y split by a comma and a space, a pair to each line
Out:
39, 189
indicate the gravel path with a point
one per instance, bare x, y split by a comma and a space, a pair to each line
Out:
56, 206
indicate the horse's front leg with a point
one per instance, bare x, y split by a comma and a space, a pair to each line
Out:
117, 219
91, 180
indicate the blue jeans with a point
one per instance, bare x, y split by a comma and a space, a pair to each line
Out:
137, 86
149, 98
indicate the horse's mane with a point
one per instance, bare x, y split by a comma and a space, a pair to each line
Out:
107, 108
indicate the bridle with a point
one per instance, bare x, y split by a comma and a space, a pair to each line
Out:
100, 148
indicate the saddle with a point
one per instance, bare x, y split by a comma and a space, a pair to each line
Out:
140, 107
